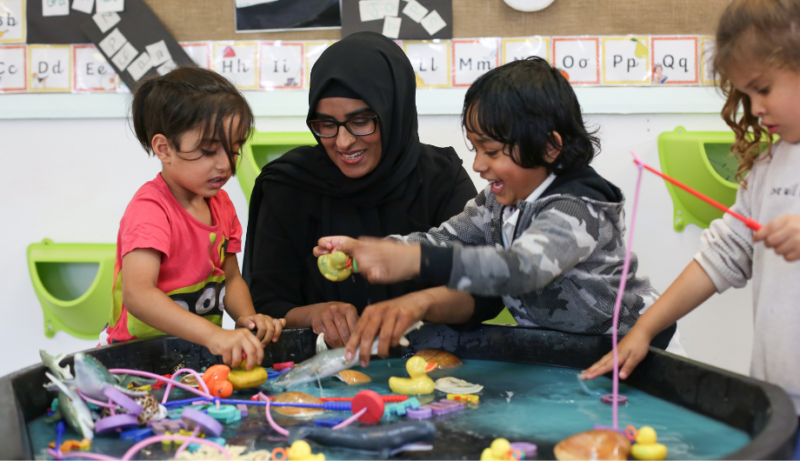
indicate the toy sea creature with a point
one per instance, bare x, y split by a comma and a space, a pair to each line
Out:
452, 385
216, 378
646, 446
419, 382
73, 408
382, 439
597, 444
240, 378
301, 451
336, 266
52, 363
443, 360
352, 377
91, 378
327, 363
497, 451
297, 397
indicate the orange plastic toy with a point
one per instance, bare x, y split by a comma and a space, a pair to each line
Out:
216, 378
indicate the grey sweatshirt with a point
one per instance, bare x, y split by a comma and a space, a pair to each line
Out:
730, 258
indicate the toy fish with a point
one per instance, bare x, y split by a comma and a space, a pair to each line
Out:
327, 363
91, 378
383, 439
52, 363
73, 408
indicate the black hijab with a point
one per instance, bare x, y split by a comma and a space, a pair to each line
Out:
397, 197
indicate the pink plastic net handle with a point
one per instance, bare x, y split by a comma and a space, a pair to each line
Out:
272, 423
350, 420
180, 372
144, 374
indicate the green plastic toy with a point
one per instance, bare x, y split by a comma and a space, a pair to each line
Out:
504, 318
703, 161
263, 148
73, 282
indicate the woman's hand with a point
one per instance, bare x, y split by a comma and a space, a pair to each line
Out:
337, 320
266, 328
387, 320
385, 261
782, 234
327, 245
231, 343
631, 350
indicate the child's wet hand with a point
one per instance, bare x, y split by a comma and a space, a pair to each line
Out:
231, 344
385, 261
631, 350
783, 235
265, 327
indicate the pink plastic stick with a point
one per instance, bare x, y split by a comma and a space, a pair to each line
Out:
350, 420
95, 402
186, 444
144, 374
180, 372
272, 423
175, 438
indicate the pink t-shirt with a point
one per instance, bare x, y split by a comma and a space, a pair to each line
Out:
192, 255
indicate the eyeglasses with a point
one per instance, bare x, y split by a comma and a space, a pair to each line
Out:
357, 126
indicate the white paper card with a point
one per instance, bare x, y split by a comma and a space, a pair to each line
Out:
238, 62
140, 66
430, 62
281, 65
109, 6
55, 7
13, 67
415, 11
391, 27
473, 58
84, 6
246, 3
199, 52
674, 60
113, 42
92, 71
372, 10
167, 67
707, 47
433, 22
12, 21
159, 54
517, 49
577, 59
105, 21
626, 60
124, 57
50, 68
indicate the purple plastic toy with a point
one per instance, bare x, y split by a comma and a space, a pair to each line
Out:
116, 423
208, 425
423, 412
123, 400
609, 399
528, 448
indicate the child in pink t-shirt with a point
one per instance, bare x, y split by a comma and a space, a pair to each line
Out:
176, 270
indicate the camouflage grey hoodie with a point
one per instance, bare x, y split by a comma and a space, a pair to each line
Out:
564, 264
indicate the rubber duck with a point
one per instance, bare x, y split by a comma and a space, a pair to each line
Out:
240, 378
301, 450
419, 382
497, 451
336, 266
646, 446
216, 378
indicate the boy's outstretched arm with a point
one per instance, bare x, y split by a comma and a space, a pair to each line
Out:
152, 306
239, 305
691, 289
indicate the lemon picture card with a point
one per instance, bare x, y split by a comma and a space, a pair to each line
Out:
626, 61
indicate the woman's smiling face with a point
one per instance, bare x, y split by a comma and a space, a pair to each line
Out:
356, 156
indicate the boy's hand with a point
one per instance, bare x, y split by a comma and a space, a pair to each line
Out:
782, 234
266, 328
631, 350
387, 320
231, 343
327, 245
385, 261
337, 320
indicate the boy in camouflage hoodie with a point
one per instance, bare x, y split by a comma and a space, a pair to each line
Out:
546, 234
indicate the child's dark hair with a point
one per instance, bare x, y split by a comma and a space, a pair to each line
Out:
522, 104
753, 32
189, 98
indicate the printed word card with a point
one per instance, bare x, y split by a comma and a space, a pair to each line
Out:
473, 58
84, 6
431, 62
55, 8
50, 68
578, 58
238, 62
110, 6
125, 56
200, 52
313, 52
140, 66
415, 10
281, 65
626, 61
105, 21
517, 49
433, 22
13, 75
675, 60
372, 10
92, 72
13, 21
391, 27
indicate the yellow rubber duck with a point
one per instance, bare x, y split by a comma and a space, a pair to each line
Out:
336, 266
497, 451
240, 378
646, 446
301, 450
418, 383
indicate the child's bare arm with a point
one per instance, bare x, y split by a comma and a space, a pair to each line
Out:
240, 306
691, 289
152, 306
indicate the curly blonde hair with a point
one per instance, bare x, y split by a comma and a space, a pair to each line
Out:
753, 32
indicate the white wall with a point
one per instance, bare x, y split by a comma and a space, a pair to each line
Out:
70, 180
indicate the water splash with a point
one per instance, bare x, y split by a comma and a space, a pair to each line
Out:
586, 388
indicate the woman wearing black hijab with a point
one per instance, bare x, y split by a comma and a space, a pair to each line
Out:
368, 176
